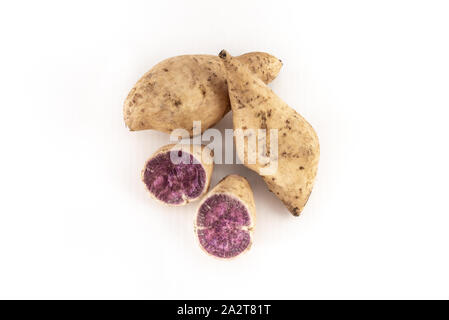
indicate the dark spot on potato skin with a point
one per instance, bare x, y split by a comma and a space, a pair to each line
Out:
135, 99
203, 90
263, 119
165, 69
150, 86
301, 168
222, 54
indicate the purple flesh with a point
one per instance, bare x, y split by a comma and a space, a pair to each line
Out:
221, 220
168, 182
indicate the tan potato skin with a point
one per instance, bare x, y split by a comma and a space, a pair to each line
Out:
188, 88
237, 187
202, 154
254, 106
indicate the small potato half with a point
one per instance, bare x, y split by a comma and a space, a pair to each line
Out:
225, 220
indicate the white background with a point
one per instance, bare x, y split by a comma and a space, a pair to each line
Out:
372, 77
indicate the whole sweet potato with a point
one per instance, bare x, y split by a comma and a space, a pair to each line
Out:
188, 88
255, 106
